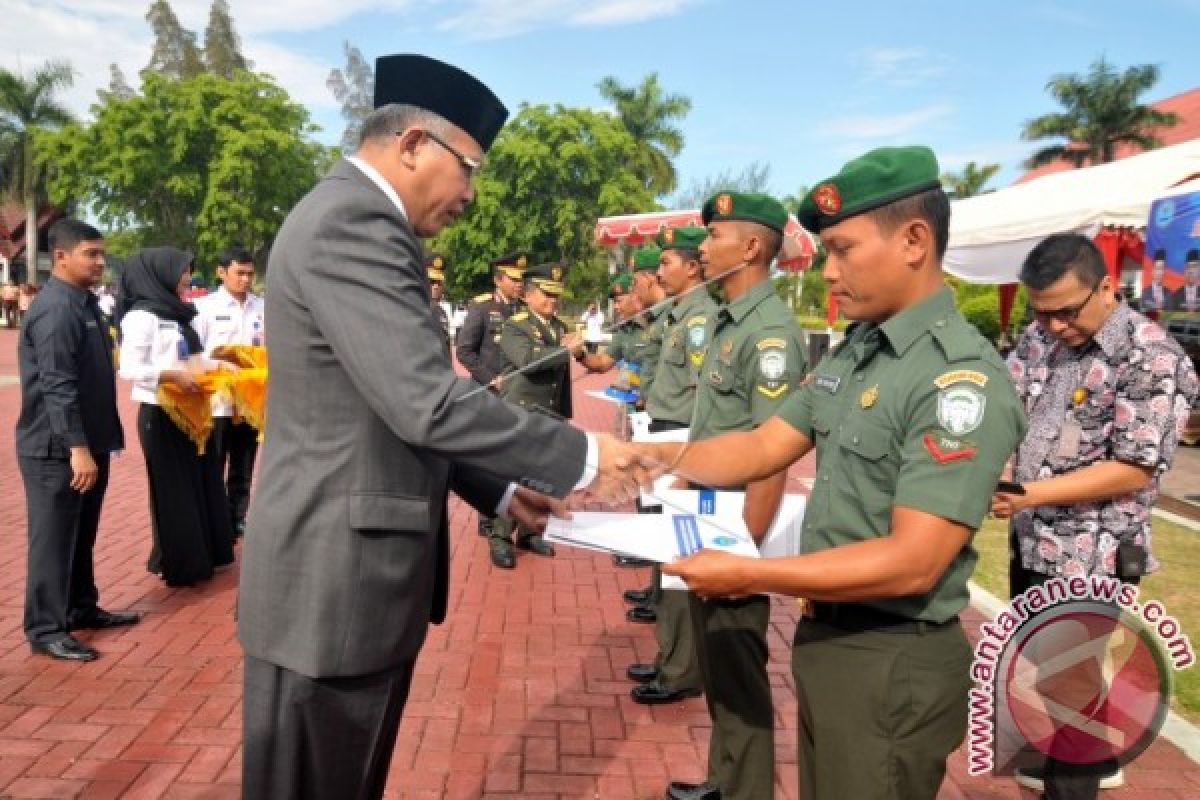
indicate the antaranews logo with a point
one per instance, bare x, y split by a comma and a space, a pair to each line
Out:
1076, 669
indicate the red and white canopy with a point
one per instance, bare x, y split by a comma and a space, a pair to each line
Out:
636, 229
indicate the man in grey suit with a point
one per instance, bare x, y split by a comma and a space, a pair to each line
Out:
346, 555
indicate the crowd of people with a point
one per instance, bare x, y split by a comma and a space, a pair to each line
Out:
914, 419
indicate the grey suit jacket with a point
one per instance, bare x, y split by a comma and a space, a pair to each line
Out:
344, 560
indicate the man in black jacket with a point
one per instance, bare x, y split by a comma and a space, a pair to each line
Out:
67, 428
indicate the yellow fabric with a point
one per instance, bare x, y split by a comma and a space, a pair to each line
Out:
248, 387
192, 411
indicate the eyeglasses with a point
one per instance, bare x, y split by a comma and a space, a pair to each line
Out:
1068, 314
469, 164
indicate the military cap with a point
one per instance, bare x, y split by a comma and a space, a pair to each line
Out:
745, 206
646, 257
435, 268
880, 177
620, 284
686, 238
410, 79
513, 265
547, 277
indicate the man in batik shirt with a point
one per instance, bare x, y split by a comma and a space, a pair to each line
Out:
1107, 393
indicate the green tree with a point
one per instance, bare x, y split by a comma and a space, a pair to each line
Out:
792, 201
197, 163
1100, 112
970, 180
551, 174
28, 106
648, 114
175, 54
222, 46
118, 86
354, 88
753, 177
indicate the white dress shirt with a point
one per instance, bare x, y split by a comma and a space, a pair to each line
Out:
220, 320
150, 345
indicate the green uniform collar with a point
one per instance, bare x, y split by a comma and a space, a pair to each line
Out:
738, 309
906, 327
689, 302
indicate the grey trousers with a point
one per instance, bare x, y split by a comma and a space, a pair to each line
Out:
319, 739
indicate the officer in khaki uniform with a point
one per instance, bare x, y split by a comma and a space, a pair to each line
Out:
477, 344
913, 418
537, 375
675, 673
755, 359
435, 270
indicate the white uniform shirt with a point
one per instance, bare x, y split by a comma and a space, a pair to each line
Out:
150, 345
220, 319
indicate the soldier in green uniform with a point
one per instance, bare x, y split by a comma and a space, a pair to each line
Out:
913, 417
435, 270
477, 344
755, 359
624, 333
537, 374
654, 316
675, 673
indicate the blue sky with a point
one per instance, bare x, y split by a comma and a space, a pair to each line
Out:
799, 86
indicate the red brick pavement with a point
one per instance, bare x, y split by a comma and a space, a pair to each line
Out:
520, 695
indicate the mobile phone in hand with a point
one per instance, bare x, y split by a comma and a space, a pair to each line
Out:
1010, 487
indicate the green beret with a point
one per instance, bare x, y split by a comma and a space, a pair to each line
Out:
746, 206
646, 257
620, 284
880, 177
688, 238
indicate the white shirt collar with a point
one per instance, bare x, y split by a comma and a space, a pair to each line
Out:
379, 181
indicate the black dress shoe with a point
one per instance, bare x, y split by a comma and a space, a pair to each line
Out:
637, 597
501, 551
643, 614
677, 790
642, 673
535, 544
630, 561
104, 619
655, 694
66, 649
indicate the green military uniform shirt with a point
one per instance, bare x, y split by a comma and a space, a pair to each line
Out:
755, 359
537, 369
688, 327
917, 412
624, 340
650, 345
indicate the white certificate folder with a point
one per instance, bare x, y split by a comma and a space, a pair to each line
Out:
657, 537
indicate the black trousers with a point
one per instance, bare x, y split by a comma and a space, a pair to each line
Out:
319, 738
188, 507
59, 584
234, 446
1063, 780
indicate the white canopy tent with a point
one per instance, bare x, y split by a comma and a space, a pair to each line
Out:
991, 234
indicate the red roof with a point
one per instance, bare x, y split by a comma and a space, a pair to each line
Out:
12, 226
1186, 106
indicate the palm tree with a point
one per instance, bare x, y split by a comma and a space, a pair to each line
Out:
647, 114
26, 106
970, 181
1100, 112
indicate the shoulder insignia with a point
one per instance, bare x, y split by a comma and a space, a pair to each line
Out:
772, 368
482, 298
960, 376
944, 450
960, 409
520, 316
775, 343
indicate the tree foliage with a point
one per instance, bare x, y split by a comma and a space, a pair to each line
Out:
754, 177
1100, 112
970, 181
118, 86
175, 54
222, 46
354, 88
648, 113
198, 163
551, 174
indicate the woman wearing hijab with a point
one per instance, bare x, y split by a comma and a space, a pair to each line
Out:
188, 508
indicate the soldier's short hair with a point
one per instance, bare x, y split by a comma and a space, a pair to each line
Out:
932, 206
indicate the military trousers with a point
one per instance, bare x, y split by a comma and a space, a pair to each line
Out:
879, 711
731, 649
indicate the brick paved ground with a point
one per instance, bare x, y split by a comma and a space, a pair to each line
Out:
520, 695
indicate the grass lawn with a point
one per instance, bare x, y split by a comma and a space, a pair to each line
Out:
1176, 547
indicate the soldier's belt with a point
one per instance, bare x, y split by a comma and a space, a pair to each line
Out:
857, 618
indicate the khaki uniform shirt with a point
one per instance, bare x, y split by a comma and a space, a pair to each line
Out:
918, 412
689, 329
756, 358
